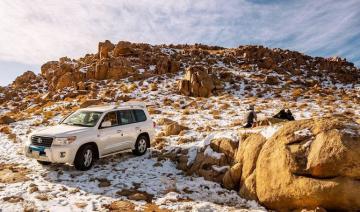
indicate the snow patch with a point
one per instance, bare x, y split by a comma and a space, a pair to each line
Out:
303, 133
220, 169
211, 153
269, 131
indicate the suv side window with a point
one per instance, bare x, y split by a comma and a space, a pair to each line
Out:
126, 117
112, 117
139, 115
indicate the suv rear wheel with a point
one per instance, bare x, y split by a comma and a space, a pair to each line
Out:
141, 145
84, 158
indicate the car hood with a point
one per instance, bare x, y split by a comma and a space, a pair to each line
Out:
61, 130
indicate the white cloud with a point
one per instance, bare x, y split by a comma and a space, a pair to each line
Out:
36, 31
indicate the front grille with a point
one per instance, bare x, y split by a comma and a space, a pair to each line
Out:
41, 141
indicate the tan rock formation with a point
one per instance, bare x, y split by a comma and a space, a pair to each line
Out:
24, 80
123, 48
174, 129
104, 48
311, 163
197, 82
166, 65
65, 80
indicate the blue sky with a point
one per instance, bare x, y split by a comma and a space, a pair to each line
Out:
35, 31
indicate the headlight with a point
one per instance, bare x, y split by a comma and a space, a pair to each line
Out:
64, 141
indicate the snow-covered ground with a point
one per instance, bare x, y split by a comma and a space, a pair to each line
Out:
65, 188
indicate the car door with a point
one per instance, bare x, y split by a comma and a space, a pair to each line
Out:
110, 137
141, 124
127, 123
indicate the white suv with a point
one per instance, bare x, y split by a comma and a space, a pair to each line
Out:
93, 133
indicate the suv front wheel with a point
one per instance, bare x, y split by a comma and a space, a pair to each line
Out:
141, 145
84, 158
44, 162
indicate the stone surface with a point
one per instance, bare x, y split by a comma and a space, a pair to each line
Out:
104, 49
174, 128
4, 119
319, 169
166, 65
197, 82
226, 146
11, 173
24, 80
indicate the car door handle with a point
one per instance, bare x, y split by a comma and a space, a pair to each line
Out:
138, 128
119, 131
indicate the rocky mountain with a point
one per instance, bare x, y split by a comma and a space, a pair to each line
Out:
198, 96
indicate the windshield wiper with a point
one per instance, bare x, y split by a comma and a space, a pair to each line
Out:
81, 125
75, 124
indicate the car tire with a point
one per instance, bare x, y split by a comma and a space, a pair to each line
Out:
84, 158
141, 145
44, 162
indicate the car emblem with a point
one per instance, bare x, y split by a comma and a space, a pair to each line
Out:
39, 140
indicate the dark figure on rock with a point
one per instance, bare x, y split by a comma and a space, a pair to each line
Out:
250, 117
284, 114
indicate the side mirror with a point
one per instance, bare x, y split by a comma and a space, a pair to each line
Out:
106, 124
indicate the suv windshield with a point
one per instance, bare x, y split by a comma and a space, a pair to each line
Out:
83, 118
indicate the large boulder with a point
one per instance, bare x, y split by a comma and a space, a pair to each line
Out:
123, 48
226, 146
311, 163
197, 82
61, 74
24, 80
65, 80
104, 48
119, 68
174, 128
48, 66
166, 65
101, 71
241, 175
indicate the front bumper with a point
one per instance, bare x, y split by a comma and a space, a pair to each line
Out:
53, 154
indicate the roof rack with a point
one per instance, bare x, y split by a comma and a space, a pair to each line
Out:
131, 104
104, 105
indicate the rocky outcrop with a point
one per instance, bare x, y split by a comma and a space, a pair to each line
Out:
311, 163
67, 73
166, 65
197, 82
123, 48
104, 48
305, 164
125, 59
24, 80
283, 61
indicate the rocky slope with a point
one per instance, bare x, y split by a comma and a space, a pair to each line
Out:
198, 96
